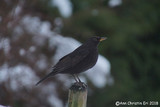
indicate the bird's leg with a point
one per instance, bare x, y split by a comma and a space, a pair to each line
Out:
78, 78
78, 82
75, 77
81, 83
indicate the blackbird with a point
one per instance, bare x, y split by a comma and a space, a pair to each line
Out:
80, 60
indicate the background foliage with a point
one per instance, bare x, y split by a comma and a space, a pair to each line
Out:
133, 45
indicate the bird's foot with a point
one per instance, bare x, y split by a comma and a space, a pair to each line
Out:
79, 86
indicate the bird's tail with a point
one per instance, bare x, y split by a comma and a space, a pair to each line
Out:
47, 76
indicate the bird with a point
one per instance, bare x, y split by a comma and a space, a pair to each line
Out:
81, 59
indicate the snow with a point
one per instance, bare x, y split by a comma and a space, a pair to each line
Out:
113, 3
18, 75
4, 106
17, 10
32, 48
58, 25
33, 24
98, 74
22, 52
64, 6
5, 45
42, 62
64, 45
52, 99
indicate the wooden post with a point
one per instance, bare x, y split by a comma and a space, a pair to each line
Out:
77, 95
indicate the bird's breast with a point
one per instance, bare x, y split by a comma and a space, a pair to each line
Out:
87, 63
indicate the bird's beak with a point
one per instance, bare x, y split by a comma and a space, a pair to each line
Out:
103, 38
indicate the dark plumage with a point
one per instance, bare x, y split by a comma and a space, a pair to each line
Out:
80, 60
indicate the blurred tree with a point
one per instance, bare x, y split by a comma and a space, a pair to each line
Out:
22, 49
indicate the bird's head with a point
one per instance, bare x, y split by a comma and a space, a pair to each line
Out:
95, 40
98, 39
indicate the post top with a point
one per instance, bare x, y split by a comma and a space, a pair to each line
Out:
79, 86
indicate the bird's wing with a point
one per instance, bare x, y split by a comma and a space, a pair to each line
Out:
70, 60
67, 62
